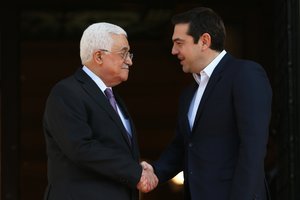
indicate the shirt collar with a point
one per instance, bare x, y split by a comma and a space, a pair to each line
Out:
208, 70
95, 78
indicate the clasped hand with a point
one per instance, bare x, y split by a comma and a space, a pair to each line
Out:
148, 179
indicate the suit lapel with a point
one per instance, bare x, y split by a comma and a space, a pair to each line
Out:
127, 117
209, 88
213, 80
187, 102
94, 92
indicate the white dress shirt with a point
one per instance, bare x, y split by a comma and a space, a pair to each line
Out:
102, 87
202, 81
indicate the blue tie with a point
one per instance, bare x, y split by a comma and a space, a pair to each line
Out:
109, 94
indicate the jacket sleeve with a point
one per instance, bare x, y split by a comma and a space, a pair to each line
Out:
252, 96
70, 137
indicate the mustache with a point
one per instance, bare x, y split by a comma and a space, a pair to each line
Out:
125, 67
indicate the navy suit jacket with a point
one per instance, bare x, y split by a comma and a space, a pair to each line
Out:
89, 154
223, 155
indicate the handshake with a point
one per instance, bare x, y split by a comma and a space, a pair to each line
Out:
148, 179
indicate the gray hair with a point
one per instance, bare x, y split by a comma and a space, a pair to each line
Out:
97, 36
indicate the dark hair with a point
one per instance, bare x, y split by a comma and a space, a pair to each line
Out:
203, 20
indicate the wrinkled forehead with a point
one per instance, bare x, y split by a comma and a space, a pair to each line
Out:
120, 42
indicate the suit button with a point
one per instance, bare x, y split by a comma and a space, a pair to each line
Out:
190, 145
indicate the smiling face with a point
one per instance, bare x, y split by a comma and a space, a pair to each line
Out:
114, 63
190, 54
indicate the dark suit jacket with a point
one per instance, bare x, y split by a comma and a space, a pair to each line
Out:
89, 155
223, 156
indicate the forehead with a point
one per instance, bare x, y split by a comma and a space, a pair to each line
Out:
180, 31
119, 42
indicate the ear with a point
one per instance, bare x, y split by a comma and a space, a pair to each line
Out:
97, 56
205, 40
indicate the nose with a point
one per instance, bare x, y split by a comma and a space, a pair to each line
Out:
128, 61
174, 51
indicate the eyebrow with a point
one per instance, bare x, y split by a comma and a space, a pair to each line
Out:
125, 49
177, 40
